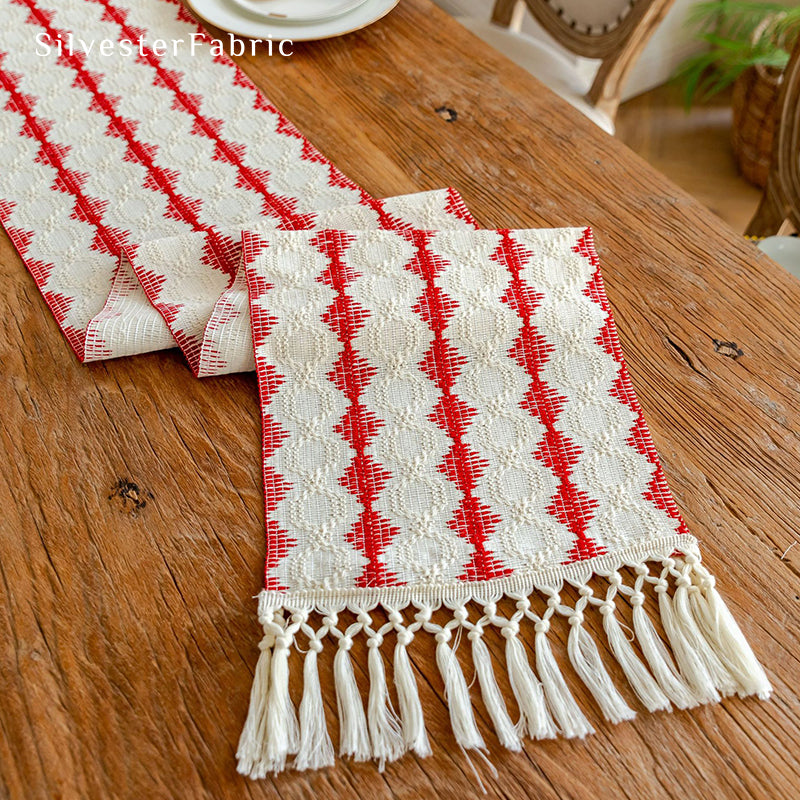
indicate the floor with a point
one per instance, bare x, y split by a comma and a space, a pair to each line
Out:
693, 150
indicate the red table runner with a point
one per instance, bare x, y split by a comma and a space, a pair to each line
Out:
447, 417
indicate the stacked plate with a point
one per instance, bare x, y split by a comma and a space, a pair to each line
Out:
298, 20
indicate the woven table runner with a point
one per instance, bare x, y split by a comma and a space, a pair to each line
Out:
448, 423
102, 157
448, 420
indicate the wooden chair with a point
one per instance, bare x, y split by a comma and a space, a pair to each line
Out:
781, 199
617, 41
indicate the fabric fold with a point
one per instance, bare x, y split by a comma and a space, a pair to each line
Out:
201, 293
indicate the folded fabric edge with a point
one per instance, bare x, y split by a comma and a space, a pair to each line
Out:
705, 657
200, 348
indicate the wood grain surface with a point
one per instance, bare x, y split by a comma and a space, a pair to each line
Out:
131, 520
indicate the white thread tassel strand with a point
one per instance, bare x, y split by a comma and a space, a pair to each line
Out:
641, 681
535, 721
722, 678
723, 633
492, 698
586, 659
456, 692
353, 732
689, 662
315, 749
250, 753
384, 727
571, 720
658, 657
283, 733
412, 720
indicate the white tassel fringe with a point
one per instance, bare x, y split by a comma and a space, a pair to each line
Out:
711, 653
353, 732
722, 679
641, 681
456, 694
659, 659
384, 727
251, 754
536, 721
283, 733
412, 720
315, 749
566, 711
585, 658
492, 698
725, 637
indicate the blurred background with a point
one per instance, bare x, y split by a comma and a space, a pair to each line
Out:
693, 87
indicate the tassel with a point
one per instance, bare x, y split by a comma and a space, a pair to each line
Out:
527, 690
250, 753
353, 733
722, 632
411, 718
586, 659
315, 749
722, 679
456, 693
283, 734
562, 704
691, 665
658, 657
384, 727
490, 691
640, 680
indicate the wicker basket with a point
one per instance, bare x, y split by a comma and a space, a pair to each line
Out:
755, 97
755, 100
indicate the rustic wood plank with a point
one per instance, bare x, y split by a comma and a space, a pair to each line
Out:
129, 636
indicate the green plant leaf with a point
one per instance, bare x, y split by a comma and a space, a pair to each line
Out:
737, 39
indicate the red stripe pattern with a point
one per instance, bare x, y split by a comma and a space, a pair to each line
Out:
477, 536
276, 487
570, 506
473, 520
364, 478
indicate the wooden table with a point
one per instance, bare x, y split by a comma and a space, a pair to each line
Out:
131, 506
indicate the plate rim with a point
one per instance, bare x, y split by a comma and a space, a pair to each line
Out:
390, 6
354, 4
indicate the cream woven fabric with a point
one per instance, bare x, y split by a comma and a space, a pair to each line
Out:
448, 420
102, 154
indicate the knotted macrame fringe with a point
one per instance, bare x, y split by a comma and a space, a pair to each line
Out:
711, 660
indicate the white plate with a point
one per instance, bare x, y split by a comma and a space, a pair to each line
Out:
785, 250
225, 14
288, 11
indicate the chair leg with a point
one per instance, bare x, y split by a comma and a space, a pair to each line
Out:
610, 79
606, 91
509, 14
769, 215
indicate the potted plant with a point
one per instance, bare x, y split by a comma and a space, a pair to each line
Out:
749, 44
